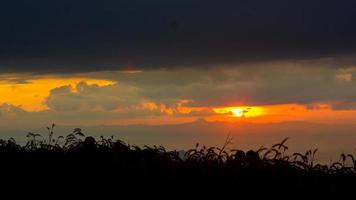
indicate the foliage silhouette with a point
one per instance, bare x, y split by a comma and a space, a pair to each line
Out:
107, 163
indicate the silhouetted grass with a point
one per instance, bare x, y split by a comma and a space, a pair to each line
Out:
108, 163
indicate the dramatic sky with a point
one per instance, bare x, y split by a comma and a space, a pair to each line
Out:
172, 61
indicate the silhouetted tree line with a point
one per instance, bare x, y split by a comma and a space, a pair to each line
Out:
103, 164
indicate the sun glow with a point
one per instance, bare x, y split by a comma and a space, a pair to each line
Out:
245, 111
238, 112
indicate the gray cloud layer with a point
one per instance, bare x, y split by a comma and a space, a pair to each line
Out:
89, 35
282, 83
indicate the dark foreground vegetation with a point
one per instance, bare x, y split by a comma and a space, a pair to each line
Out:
107, 166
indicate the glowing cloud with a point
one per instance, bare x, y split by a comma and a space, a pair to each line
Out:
30, 94
243, 111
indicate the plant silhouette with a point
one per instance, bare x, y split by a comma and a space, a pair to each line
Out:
84, 161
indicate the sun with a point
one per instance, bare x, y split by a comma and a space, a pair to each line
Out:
238, 112
241, 111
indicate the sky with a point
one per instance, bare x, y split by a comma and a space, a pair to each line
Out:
121, 62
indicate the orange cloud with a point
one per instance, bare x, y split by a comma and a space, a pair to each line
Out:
178, 108
31, 94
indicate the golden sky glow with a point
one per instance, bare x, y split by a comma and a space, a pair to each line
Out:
30, 95
241, 111
282, 112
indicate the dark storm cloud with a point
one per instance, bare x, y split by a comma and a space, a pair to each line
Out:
88, 35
